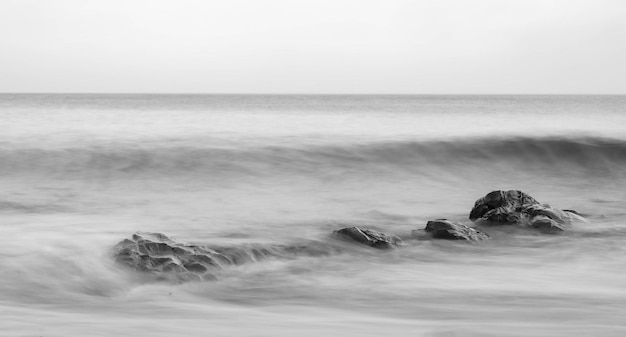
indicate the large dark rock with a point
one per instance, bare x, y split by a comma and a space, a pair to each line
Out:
369, 237
450, 230
163, 258
516, 207
501, 207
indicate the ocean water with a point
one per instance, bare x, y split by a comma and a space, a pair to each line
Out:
80, 173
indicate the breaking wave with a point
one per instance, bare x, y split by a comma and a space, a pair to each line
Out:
588, 153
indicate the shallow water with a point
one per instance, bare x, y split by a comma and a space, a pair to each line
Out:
82, 172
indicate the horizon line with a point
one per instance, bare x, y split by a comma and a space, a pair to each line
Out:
310, 94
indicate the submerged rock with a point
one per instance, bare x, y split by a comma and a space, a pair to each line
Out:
516, 207
450, 230
369, 237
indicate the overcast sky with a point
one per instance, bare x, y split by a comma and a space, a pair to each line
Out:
301, 46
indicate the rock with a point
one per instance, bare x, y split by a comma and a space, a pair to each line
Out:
516, 207
163, 258
369, 237
545, 224
449, 230
159, 255
501, 207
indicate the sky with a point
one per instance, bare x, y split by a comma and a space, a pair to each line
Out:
314, 47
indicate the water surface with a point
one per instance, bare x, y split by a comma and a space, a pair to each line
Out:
82, 172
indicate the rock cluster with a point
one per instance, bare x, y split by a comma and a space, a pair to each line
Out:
161, 257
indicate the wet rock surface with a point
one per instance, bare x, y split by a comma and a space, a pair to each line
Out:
168, 259
450, 230
515, 207
159, 255
369, 237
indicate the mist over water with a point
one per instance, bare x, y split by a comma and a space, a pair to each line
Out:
83, 172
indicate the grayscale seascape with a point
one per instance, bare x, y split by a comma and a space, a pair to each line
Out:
81, 172
312, 168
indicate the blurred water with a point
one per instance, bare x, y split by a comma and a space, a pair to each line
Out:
82, 172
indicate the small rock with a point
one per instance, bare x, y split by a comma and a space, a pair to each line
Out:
546, 224
449, 230
370, 237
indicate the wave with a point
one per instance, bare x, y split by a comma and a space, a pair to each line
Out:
590, 154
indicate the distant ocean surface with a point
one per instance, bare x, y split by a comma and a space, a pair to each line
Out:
80, 173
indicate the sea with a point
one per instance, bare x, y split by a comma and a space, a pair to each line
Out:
82, 172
